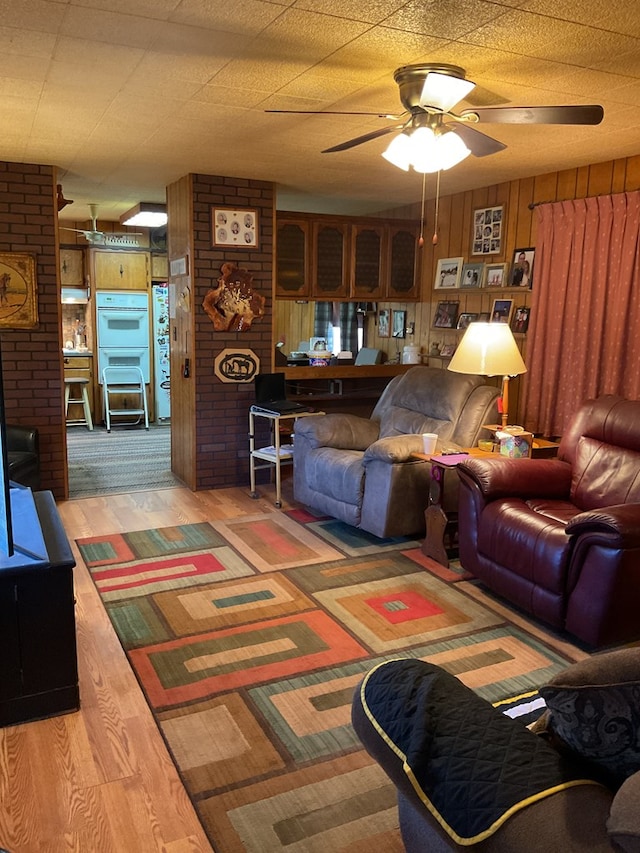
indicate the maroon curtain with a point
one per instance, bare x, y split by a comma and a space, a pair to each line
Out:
584, 334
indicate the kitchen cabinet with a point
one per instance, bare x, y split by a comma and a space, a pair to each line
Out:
368, 243
330, 253
159, 268
292, 259
345, 257
116, 270
71, 267
81, 366
403, 281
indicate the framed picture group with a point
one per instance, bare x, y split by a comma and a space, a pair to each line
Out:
455, 273
487, 230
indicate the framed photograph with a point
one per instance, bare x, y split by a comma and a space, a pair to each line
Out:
446, 315
447, 350
384, 320
520, 322
231, 227
18, 291
495, 275
487, 230
501, 310
522, 268
472, 275
399, 324
448, 273
484, 317
464, 320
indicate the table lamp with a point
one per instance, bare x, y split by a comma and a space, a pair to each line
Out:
489, 349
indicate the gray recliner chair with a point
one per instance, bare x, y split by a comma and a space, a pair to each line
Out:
360, 470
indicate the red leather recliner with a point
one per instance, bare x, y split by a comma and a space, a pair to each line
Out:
560, 538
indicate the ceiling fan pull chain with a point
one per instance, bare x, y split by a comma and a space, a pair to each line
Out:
421, 240
434, 239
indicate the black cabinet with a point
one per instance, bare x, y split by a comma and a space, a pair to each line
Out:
38, 664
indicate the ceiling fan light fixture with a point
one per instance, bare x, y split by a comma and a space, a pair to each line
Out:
398, 152
444, 90
146, 214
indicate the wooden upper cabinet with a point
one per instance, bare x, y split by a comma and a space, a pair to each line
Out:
330, 253
368, 250
403, 281
292, 259
71, 267
115, 270
345, 257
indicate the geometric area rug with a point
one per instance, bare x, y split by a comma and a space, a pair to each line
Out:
249, 636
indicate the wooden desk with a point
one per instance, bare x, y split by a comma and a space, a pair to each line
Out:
353, 389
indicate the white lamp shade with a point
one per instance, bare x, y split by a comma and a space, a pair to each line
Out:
444, 90
488, 349
398, 152
426, 151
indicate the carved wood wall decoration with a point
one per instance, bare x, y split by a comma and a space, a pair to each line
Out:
233, 305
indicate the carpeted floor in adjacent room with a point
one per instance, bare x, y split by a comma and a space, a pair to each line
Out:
249, 636
126, 459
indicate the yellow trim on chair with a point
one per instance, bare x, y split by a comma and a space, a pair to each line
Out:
464, 842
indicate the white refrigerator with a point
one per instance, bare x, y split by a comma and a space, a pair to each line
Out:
160, 320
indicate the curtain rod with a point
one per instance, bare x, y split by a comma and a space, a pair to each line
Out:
533, 204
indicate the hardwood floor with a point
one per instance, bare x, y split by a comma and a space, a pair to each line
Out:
101, 780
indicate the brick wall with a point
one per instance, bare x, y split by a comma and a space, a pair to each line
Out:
221, 409
32, 358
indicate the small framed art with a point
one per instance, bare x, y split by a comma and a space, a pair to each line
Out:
466, 318
447, 350
487, 230
18, 291
384, 319
522, 268
472, 275
495, 275
399, 324
520, 322
446, 315
448, 273
231, 227
501, 310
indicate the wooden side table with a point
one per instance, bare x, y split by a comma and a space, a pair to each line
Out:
441, 514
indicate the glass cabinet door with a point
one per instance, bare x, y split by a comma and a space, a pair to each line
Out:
292, 259
330, 279
404, 264
367, 262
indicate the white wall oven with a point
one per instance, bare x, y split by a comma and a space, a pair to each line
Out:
122, 321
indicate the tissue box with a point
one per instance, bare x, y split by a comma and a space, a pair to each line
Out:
515, 445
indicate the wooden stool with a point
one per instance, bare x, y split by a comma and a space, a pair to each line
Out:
82, 400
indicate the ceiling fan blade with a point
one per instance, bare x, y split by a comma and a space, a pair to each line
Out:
477, 142
334, 113
572, 114
358, 140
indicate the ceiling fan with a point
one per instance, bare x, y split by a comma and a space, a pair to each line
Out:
428, 93
100, 238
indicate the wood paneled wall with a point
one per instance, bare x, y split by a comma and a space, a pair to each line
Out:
455, 220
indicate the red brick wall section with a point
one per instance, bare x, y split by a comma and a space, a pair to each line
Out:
222, 408
32, 358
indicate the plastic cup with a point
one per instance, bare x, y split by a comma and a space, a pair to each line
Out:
429, 441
